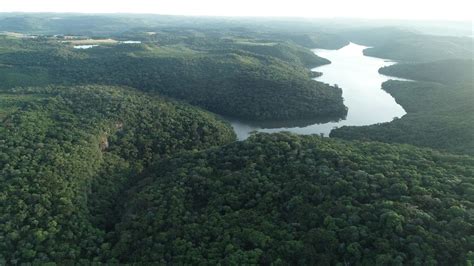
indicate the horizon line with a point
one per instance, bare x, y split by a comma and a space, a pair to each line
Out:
240, 16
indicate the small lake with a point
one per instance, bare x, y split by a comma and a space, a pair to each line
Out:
87, 46
357, 75
131, 42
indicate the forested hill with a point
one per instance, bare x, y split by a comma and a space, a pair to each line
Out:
301, 200
117, 173
67, 154
440, 113
274, 198
137, 27
449, 71
422, 48
237, 77
408, 46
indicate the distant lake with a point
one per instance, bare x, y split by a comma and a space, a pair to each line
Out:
357, 75
87, 46
131, 42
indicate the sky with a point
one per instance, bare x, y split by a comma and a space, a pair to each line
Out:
370, 9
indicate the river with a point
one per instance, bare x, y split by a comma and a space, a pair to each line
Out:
357, 75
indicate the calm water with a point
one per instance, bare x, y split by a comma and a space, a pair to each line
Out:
87, 46
360, 81
131, 42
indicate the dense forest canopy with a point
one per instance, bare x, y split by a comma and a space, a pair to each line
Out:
301, 200
239, 77
105, 160
408, 46
279, 198
450, 71
440, 110
422, 48
107, 24
68, 153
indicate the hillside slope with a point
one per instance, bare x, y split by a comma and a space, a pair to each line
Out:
233, 78
302, 200
408, 46
450, 71
67, 154
440, 113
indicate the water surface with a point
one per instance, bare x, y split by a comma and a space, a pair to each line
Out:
357, 75
131, 42
86, 46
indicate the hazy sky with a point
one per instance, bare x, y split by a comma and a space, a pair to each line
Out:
393, 9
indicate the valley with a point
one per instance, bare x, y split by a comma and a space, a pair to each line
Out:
358, 77
139, 150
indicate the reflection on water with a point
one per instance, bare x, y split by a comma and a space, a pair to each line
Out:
358, 77
288, 124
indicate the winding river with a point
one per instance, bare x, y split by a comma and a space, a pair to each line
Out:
358, 77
